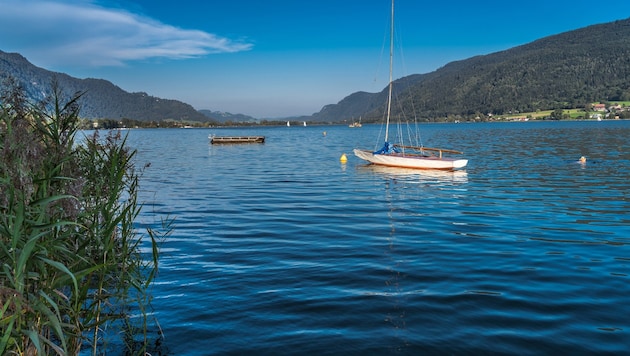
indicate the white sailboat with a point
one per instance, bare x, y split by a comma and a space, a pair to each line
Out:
355, 123
400, 155
288, 123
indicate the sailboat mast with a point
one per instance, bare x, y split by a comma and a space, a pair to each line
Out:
391, 65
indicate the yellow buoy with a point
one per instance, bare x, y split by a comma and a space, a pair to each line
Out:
343, 158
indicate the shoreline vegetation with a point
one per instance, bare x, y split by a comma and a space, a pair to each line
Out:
73, 277
610, 110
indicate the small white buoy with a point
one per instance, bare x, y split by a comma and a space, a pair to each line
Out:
343, 158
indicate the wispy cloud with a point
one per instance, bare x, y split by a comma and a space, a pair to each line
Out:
67, 32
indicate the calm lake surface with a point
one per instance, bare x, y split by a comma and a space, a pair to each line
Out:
279, 248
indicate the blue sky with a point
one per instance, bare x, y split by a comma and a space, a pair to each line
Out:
273, 58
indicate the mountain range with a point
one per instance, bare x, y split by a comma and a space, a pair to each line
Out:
567, 70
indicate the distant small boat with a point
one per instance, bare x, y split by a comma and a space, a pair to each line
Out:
288, 123
236, 139
304, 123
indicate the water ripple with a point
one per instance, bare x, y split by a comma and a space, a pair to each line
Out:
280, 249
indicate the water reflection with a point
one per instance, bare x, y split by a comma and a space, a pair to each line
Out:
417, 175
396, 312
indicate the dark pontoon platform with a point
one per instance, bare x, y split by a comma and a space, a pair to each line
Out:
237, 139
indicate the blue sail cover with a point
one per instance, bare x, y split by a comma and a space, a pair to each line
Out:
387, 148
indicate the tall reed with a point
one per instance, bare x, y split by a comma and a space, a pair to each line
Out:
71, 263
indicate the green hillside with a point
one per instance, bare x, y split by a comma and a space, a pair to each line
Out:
102, 99
565, 71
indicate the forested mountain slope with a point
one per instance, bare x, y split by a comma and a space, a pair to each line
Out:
102, 99
563, 71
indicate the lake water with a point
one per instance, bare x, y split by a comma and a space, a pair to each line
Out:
279, 248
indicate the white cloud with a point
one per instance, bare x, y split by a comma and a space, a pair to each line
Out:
62, 32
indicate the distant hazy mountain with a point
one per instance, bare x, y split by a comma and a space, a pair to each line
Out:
220, 116
567, 70
102, 99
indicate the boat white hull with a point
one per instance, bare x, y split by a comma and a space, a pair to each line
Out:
418, 162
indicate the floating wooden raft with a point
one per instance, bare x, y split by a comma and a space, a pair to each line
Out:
237, 139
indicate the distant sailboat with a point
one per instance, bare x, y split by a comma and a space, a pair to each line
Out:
355, 123
288, 124
400, 155
304, 123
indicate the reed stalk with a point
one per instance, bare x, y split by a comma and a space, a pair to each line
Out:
71, 265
